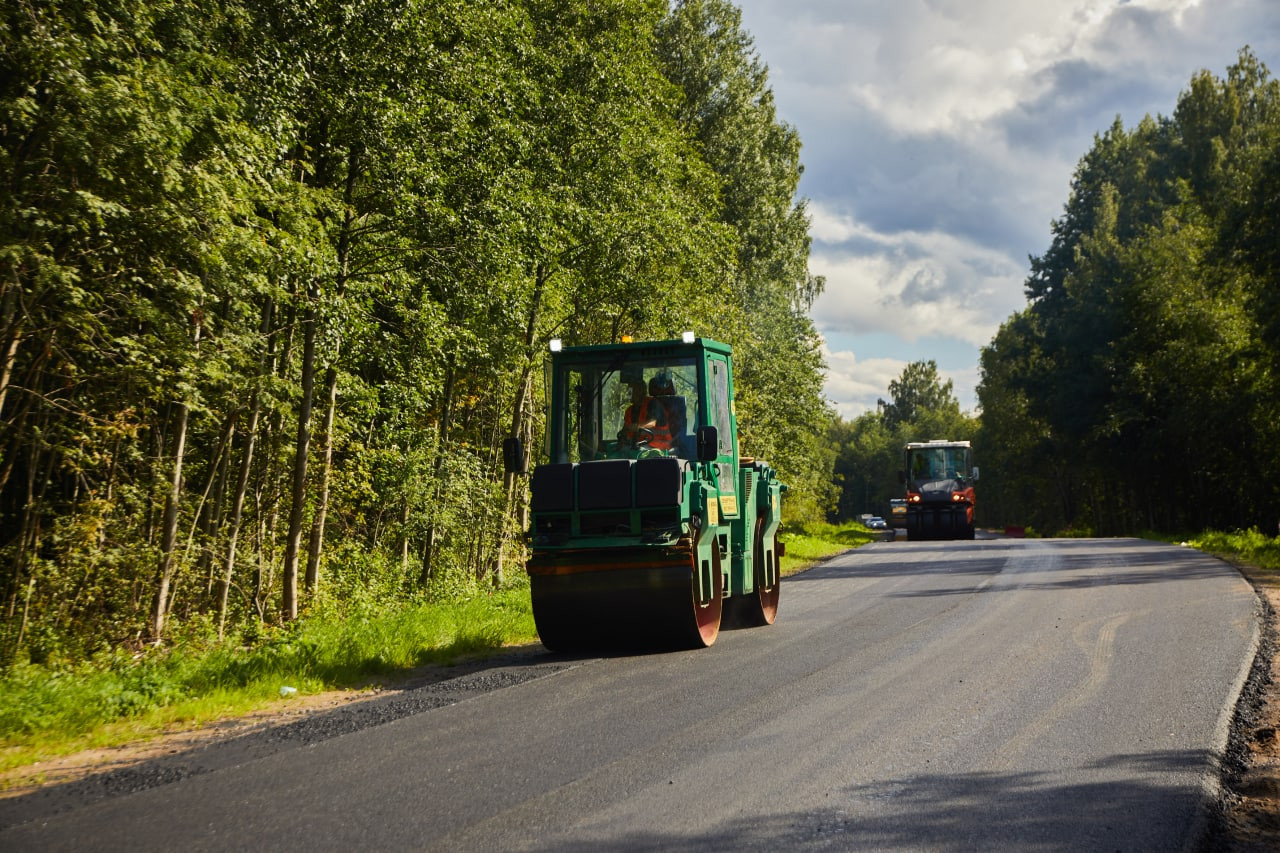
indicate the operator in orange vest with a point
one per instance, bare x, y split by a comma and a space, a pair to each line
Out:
648, 413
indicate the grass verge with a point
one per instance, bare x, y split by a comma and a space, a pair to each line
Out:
52, 711
1260, 552
809, 543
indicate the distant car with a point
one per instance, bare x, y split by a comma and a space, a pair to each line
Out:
897, 513
875, 522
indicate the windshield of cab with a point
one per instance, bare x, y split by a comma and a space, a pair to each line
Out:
939, 463
589, 416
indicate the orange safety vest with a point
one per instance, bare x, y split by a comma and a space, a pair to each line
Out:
661, 438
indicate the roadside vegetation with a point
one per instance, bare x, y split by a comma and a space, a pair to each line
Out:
276, 281
1137, 389
810, 542
118, 697
1252, 548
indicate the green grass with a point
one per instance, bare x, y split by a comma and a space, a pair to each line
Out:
48, 711
809, 543
1244, 546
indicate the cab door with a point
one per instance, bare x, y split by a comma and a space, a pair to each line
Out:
720, 406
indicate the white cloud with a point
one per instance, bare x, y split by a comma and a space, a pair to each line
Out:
911, 284
922, 66
856, 385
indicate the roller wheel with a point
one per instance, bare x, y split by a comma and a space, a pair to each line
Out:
761, 606
559, 628
707, 614
643, 608
768, 595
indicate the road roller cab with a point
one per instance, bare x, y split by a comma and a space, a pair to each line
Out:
647, 528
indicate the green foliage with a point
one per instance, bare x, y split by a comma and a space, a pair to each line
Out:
1250, 546
1136, 390
276, 277
323, 650
919, 393
762, 303
809, 542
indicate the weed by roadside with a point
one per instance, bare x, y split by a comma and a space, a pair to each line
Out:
809, 542
118, 697
1250, 546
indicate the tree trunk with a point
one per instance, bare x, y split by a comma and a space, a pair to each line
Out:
27, 536
520, 426
437, 488
316, 543
267, 486
169, 532
322, 501
237, 511
262, 573
302, 449
404, 542
206, 514
12, 328
266, 367
10, 455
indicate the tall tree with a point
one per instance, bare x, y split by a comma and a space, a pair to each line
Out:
373, 214
132, 181
1136, 359
920, 389
729, 109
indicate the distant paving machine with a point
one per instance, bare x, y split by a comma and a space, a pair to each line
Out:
939, 476
647, 527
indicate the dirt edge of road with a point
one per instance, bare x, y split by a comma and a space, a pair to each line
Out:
1247, 819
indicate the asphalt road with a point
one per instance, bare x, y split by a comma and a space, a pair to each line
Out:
1015, 694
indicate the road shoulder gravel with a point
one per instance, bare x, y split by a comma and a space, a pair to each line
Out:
1249, 801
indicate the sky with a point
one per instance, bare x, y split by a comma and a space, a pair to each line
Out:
939, 141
